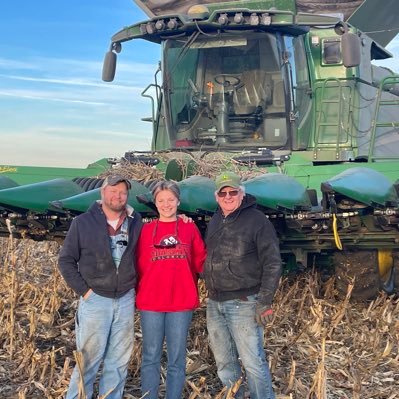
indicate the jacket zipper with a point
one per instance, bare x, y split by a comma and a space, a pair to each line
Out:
117, 280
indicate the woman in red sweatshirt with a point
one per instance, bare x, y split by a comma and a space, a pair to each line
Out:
170, 254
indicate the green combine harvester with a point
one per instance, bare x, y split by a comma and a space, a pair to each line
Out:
285, 86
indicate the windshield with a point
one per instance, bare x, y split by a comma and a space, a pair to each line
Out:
226, 91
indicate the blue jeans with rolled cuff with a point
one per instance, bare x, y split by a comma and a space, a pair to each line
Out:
104, 335
157, 327
234, 335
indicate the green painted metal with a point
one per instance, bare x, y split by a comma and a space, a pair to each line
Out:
282, 14
286, 5
174, 8
77, 203
82, 202
302, 169
138, 189
36, 197
34, 174
175, 171
364, 185
278, 192
350, 8
197, 194
299, 116
6, 182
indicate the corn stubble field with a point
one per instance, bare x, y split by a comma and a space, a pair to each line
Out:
318, 346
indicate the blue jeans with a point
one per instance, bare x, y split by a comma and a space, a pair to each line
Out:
233, 335
104, 334
157, 326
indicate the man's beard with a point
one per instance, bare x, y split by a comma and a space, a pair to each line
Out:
115, 207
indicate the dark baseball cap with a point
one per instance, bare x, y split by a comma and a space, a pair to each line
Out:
113, 180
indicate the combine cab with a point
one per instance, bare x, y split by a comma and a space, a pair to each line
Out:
274, 86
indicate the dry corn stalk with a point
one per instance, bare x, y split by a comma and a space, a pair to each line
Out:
80, 365
319, 385
361, 340
231, 393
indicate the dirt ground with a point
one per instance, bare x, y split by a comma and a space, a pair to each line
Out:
318, 346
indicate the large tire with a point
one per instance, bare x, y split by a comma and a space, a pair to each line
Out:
360, 266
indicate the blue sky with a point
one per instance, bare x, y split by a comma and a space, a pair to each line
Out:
54, 108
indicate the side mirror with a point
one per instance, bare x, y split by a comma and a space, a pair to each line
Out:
350, 44
109, 66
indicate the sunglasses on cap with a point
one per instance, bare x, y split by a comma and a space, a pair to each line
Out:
232, 193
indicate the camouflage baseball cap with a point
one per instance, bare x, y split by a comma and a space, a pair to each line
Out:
113, 180
227, 179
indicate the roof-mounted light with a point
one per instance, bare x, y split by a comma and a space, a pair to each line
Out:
160, 24
265, 19
223, 19
238, 18
254, 19
172, 23
198, 11
150, 28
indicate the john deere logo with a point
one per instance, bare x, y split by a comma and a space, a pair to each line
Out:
7, 169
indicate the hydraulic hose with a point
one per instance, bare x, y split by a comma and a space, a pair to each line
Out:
336, 235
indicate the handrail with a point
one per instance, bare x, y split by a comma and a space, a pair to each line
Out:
388, 80
319, 122
143, 94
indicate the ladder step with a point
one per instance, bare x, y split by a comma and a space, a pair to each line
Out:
389, 102
387, 124
328, 124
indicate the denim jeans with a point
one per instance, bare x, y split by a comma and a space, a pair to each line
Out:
104, 333
157, 326
234, 335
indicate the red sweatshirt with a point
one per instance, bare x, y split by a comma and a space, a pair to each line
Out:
168, 275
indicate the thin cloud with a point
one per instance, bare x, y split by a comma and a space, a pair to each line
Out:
102, 95
73, 82
25, 95
18, 65
56, 73
86, 134
75, 67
